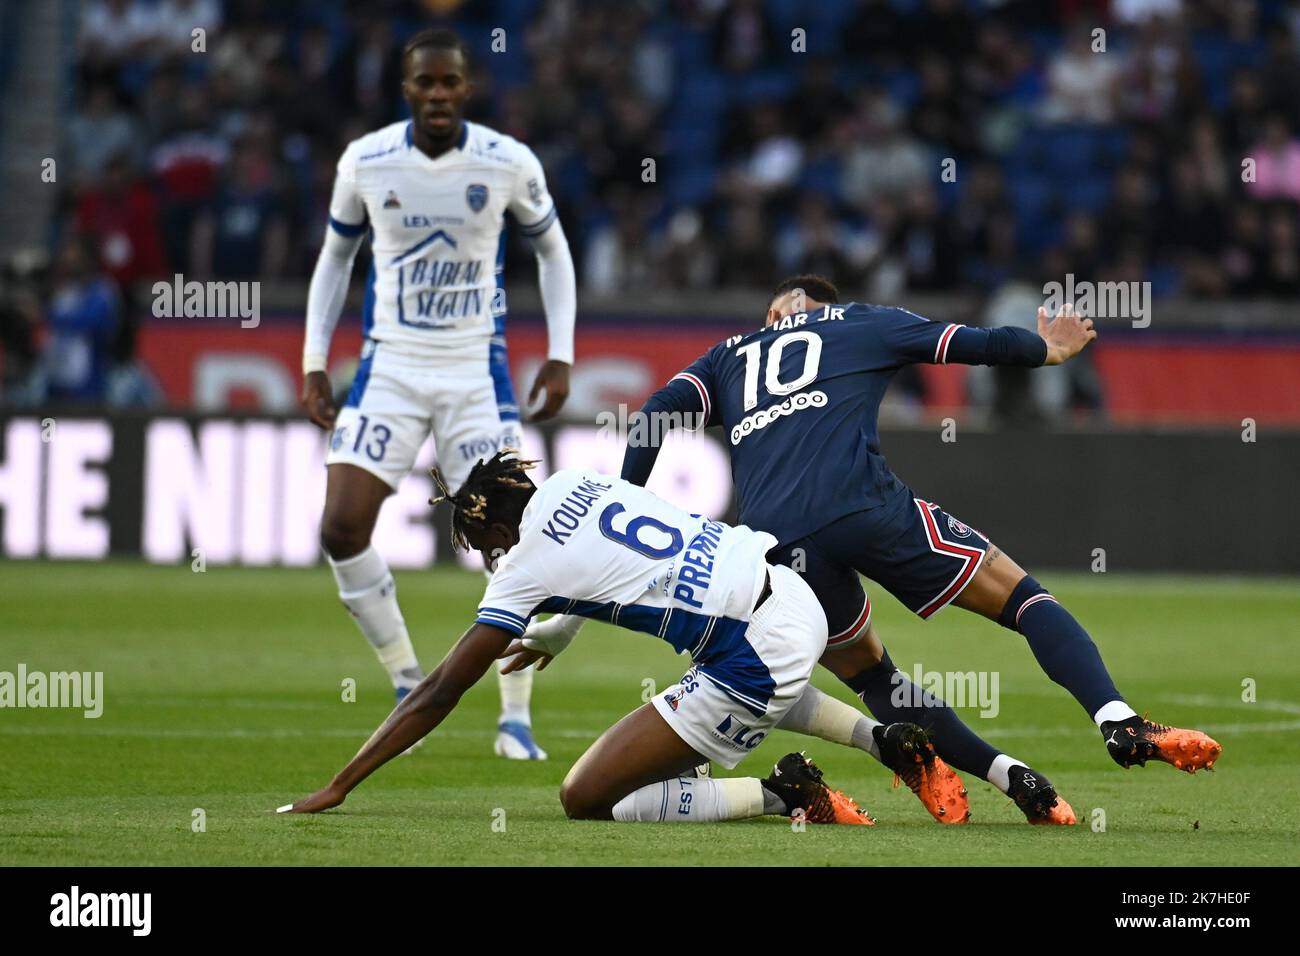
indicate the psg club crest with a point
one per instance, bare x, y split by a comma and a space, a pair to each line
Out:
957, 528
476, 194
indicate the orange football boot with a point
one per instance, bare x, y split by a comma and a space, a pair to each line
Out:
798, 782
1037, 798
906, 750
1137, 740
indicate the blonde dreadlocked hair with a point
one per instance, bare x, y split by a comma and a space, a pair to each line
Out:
497, 490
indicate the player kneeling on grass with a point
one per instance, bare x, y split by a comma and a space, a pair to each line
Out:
597, 546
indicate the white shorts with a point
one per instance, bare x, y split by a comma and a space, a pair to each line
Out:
726, 705
398, 399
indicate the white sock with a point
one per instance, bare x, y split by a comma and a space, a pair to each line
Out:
1000, 772
698, 800
821, 715
368, 591
516, 694
1115, 710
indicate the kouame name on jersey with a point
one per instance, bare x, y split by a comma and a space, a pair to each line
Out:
603, 548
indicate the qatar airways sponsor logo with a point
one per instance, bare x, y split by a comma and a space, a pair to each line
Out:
765, 417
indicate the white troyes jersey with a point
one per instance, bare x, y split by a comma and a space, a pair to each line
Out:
604, 548
437, 232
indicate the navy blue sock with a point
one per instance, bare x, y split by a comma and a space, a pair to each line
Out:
1061, 646
892, 698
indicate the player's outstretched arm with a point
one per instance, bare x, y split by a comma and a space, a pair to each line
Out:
423, 709
1066, 335
682, 403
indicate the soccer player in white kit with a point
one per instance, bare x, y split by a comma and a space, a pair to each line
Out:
431, 193
599, 547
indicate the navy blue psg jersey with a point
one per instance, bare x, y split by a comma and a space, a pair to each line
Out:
798, 404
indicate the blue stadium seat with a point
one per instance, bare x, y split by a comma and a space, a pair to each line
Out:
1087, 192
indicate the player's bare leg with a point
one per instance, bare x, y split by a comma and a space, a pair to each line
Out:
635, 772
1003, 591
353, 497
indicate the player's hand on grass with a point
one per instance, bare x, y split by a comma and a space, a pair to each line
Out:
1066, 335
330, 796
520, 657
318, 399
554, 377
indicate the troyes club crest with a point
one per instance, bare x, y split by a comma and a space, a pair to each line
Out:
476, 194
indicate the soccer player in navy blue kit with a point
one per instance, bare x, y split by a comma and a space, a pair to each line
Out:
799, 402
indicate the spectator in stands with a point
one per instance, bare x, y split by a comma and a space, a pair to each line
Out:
887, 161
81, 323
1247, 110
600, 92
1217, 177
243, 234
1245, 252
1129, 214
943, 114
743, 37
186, 164
22, 281
1277, 162
771, 159
820, 244
1158, 82
618, 259
113, 33
1082, 81
99, 132
176, 22
1192, 223
690, 261
745, 256
926, 245
1282, 268
877, 29
119, 215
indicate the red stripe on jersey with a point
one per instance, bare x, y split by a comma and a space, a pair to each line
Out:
941, 349
971, 557
699, 387
851, 632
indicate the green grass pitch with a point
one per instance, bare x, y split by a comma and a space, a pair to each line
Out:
223, 692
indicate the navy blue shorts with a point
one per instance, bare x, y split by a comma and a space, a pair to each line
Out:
912, 548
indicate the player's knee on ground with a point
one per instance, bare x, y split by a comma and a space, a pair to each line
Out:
582, 802
342, 534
